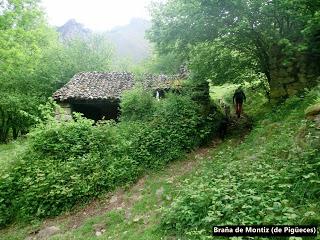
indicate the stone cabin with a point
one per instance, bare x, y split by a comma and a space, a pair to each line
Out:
97, 94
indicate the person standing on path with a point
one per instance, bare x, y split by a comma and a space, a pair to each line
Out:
240, 97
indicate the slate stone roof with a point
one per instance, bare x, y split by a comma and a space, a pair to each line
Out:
161, 81
95, 86
107, 86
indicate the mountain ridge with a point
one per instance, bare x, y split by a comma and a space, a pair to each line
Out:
129, 40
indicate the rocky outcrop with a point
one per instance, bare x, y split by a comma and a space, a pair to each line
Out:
72, 29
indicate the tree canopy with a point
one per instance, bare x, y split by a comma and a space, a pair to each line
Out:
244, 32
34, 63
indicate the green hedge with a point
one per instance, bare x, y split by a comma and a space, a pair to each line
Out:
71, 162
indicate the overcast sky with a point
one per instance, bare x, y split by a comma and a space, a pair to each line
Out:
95, 14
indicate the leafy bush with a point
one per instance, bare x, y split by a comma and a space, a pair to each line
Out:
172, 131
175, 127
137, 104
7, 192
62, 140
47, 181
67, 163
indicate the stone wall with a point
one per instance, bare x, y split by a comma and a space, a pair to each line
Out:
64, 113
289, 76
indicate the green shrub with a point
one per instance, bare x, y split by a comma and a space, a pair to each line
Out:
171, 132
7, 192
62, 140
46, 183
177, 126
67, 163
177, 118
136, 104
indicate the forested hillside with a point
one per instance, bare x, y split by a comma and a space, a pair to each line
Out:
234, 141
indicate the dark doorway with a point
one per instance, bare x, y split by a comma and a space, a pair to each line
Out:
97, 110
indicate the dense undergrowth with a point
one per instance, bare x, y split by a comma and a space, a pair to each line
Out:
272, 177
67, 163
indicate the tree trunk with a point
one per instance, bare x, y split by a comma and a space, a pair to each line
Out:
4, 131
15, 133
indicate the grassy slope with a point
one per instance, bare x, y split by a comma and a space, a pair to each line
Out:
270, 169
8, 153
273, 177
